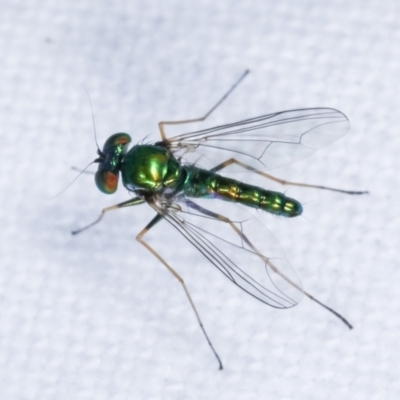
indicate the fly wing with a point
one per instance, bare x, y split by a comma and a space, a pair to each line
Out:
264, 142
243, 251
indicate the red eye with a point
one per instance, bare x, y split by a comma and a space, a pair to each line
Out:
118, 139
122, 140
106, 181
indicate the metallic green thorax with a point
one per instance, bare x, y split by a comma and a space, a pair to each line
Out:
153, 169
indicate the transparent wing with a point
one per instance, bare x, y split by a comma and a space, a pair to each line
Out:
264, 142
244, 252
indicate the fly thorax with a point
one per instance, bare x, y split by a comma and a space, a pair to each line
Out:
150, 167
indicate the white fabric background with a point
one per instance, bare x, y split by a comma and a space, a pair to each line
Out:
97, 317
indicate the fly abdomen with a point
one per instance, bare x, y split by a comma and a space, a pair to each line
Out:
203, 183
253, 196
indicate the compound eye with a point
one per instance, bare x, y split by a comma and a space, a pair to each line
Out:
118, 139
106, 181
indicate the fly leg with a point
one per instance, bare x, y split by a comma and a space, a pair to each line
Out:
139, 238
231, 161
188, 121
244, 238
131, 202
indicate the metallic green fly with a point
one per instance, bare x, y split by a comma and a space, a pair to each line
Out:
162, 176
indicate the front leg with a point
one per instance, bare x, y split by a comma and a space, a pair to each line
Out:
128, 203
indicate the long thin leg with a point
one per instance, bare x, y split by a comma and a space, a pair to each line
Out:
131, 202
244, 238
188, 121
231, 161
139, 237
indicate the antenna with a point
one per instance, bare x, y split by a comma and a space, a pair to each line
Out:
97, 145
82, 172
94, 124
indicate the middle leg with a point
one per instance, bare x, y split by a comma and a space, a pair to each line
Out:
139, 238
231, 161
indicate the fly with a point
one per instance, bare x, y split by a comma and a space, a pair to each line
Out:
162, 176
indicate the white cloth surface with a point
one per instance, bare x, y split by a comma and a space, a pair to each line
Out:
95, 316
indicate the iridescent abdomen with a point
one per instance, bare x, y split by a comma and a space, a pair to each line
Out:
207, 184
